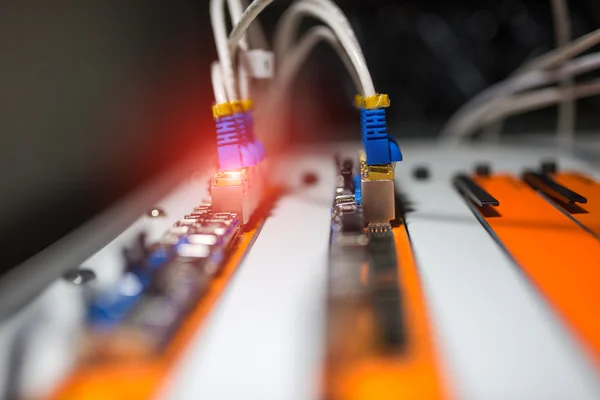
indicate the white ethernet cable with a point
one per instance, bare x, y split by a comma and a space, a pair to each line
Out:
544, 62
217, 83
514, 84
567, 113
243, 21
552, 59
565, 53
217, 17
290, 66
241, 24
287, 29
532, 101
485, 104
235, 12
297, 56
475, 110
256, 34
331, 15
244, 84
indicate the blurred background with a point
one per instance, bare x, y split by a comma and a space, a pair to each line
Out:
97, 97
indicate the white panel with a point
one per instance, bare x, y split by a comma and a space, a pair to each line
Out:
52, 322
264, 339
497, 336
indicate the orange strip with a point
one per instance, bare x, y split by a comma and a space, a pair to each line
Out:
363, 373
588, 214
560, 257
141, 379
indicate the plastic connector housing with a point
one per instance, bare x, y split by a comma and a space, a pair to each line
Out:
261, 63
378, 198
237, 187
237, 192
257, 148
237, 147
377, 192
229, 149
357, 190
248, 158
379, 146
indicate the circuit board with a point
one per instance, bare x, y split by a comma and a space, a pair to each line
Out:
460, 298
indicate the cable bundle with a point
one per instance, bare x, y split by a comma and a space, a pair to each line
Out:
514, 95
231, 87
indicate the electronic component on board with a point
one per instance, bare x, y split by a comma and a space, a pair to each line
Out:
378, 192
238, 192
377, 338
238, 186
377, 189
380, 147
355, 248
137, 316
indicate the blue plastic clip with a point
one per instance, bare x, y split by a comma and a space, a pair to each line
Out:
379, 146
229, 149
248, 156
357, 190
158, 258
257, 147
112, 306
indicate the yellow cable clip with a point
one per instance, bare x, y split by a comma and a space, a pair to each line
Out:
359, 101
247, 104
236, 106
378, 101
222, 110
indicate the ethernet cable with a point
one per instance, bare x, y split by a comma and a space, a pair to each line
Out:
468, 113
535, 100
237, 39
217, 16
232, 151
566, 111
558, 56
330, 14
244, 84
380, 147
243, 21
529, 78
235, 141
375, 183
217, 83
237, 186
236, 145
544, 62
296, 57
226, 48
291, 56
287, 31
256, 34
517, 104
290, 66
235, 12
